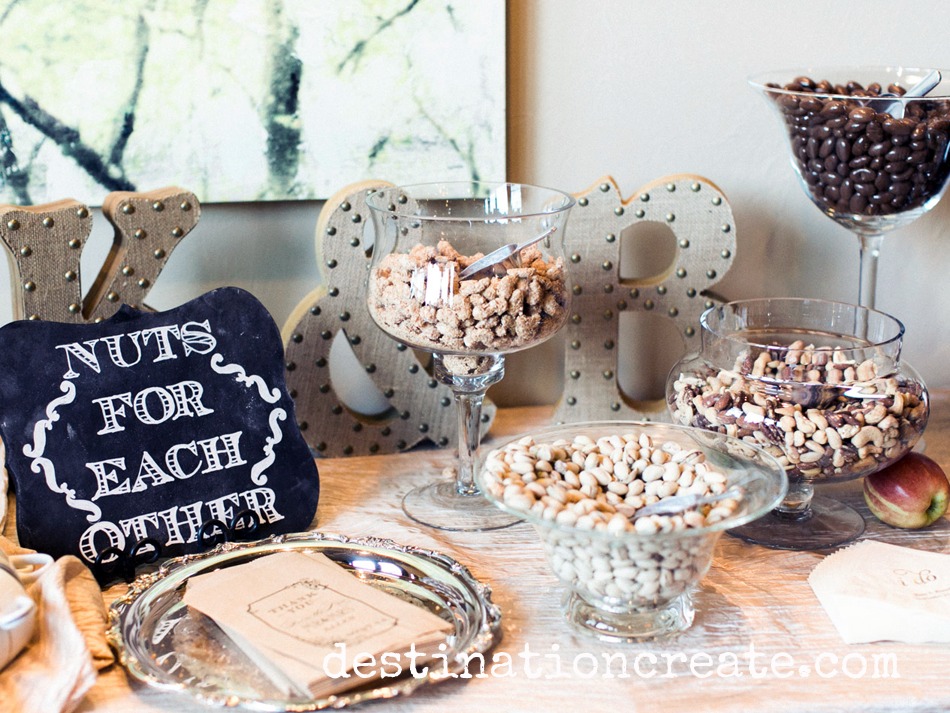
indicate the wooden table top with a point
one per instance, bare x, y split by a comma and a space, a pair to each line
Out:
771, 645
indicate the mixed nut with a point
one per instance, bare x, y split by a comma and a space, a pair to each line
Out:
821, 413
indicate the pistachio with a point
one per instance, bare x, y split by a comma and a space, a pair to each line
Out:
634, 561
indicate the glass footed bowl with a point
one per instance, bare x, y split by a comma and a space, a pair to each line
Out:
820, 385
628, 578
430, 236
468, 272
870, 146
869, 161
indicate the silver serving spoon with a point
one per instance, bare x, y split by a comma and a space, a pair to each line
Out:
681, 503
883, 103
503, 253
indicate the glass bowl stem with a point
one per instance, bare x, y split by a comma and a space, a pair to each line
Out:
867, 272
459, 505
469, 390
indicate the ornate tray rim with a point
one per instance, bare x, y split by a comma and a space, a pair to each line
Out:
487, 635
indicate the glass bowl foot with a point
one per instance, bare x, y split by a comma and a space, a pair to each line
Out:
827, 523
631, 625
439, 505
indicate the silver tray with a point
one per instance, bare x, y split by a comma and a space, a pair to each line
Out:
164, 644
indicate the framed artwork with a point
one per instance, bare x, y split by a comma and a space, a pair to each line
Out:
247, 100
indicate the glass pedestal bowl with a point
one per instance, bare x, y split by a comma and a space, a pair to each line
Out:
469, 272
868, 153
819, 385
584, 487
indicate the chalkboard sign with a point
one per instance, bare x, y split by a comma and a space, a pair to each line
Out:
152, 433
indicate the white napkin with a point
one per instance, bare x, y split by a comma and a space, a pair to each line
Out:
874, 591
61, 662
54, 672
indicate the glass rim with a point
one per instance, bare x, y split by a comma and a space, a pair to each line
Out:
376, 197
895, 339
760, 80
613, 427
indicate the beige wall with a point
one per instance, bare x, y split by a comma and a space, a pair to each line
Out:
640, 90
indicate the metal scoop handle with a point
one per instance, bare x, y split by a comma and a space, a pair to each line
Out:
502, 254
884, 104
681, 503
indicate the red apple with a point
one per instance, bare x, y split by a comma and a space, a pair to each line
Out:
911, 493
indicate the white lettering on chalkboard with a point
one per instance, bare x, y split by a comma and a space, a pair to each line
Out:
181, 523
218, 453
147, 394
173, 401
125, 350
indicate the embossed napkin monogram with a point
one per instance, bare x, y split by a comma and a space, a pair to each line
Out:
314, 628
874, 591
